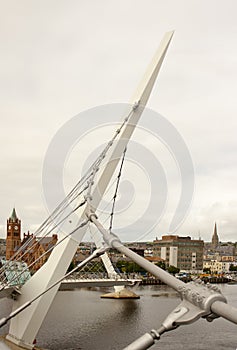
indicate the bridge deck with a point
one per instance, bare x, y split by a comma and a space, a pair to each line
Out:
96, 282
79, 283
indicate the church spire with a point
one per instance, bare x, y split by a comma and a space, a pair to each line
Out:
13, 217
215, 238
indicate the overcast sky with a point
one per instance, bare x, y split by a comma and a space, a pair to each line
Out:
58, 58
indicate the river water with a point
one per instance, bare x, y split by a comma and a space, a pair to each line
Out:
80, 319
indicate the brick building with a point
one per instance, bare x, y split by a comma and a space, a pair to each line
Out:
182, 252
32, 248
13, 241
38, 248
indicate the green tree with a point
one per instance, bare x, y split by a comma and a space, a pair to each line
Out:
121, 265
233, 267
207, 270
173, 270
129, 267
161, 264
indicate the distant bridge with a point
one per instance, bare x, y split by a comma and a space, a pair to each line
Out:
74, 283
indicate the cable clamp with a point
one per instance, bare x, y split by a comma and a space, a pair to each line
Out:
90, 214
135, 106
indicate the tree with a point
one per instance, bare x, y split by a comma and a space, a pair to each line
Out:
173, 270
233, 267
129, 267
121, 265
161, 264
206, 270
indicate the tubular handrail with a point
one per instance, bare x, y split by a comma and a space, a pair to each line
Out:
207, 300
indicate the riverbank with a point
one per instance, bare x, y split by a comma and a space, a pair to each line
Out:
212, 279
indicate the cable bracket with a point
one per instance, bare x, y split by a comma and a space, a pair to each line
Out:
197, 300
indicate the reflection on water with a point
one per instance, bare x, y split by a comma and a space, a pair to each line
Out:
80, 319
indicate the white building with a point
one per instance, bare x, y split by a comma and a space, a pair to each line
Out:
216, 266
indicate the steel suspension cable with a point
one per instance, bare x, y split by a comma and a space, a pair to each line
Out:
95, 254
45, 253
92, 170
19, 257
116, 189
106, 149
45, 224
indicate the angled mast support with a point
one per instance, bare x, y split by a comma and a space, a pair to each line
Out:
25, 326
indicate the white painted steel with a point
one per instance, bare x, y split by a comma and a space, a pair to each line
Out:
144, 342
224, 310
107, 282
114, 242
205, 299
25, 326
106, 260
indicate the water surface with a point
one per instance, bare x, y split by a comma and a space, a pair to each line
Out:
80, 319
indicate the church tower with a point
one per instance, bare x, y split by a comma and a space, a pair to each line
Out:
13, 241
215, 238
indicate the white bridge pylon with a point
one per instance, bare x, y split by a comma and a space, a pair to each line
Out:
25, 326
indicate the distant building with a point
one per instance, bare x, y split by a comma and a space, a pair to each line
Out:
32, 248
215, 238
155, 259
218, 267
228, 258
37, 249
2, 247
137, 247
13, 241
219, 251
182, 252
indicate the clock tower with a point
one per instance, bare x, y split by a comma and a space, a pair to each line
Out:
13, 241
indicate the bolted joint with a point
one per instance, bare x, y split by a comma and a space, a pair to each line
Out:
155, 334
111, 239
198, 299
135, 106
211, 317
90, 215
172, 321
95, 169
88, 197
209, 300
90, 182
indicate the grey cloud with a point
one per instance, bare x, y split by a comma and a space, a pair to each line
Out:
58, 59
